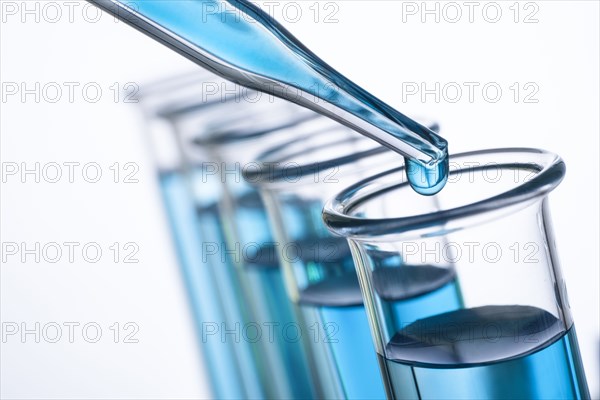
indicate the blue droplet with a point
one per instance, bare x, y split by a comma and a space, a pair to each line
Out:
427, 179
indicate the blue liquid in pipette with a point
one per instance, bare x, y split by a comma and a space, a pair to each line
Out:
238, 41
490, 352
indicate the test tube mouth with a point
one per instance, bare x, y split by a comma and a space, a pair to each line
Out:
184, 95
242, 128
313, 153
178, 95
539, 172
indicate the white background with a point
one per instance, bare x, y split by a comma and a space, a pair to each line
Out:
370, 43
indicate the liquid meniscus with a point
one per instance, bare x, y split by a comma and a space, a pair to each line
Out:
344, 355
492, 352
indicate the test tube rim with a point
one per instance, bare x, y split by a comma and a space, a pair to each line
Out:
550, 170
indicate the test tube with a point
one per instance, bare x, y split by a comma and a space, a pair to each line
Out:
485, 250
176, 111
274, 326
295, 179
